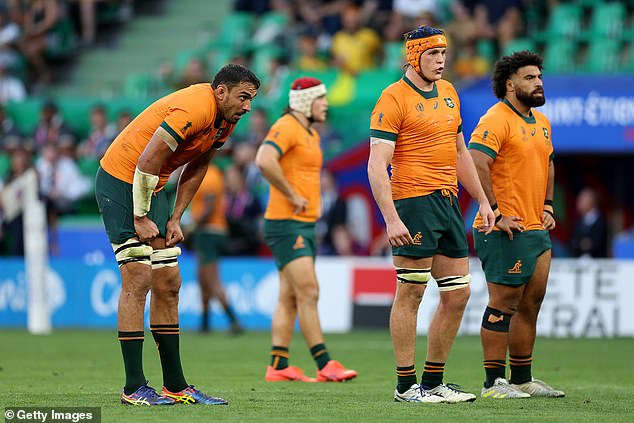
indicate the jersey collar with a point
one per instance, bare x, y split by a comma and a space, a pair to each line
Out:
426, 94
529, 119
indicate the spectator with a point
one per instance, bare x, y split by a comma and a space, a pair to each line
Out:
258, 128
11, 88
51, 128
308, 58
243, 213
61, 185
195, 72
101, 135
589, 236
9, 134
12, 230
355, 47
414, 8
38, 22
9, 37
123, 119
332, 232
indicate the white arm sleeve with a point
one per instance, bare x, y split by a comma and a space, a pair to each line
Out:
142, 189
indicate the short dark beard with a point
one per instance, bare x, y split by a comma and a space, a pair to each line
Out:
528, 99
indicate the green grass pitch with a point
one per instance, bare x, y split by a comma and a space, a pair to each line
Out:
84, 368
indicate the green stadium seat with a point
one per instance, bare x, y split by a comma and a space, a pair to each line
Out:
235, 30
564, 21
486, 50
607, 20
628, 59
137, 85
25, 114
518, 44
262, 58
559, 56
5, 165
603, 56
370, 83
88, 166
394, 55
66, 42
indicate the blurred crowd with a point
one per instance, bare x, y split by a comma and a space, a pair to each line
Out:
308, 35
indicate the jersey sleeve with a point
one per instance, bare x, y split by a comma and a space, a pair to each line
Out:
489, 135
386, 118
459, 110
280, 137
185, 119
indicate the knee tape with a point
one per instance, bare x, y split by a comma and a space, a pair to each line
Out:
132, 250
416, 276
166, 257
451, 283
496, 320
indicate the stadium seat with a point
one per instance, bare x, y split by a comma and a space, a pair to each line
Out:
394, 55
564, 21
603, 56
607, 20
486, 50
559, 56
5, 165
137, 85
519, 44
25, 114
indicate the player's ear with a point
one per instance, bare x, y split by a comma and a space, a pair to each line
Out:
221, 91
510, 87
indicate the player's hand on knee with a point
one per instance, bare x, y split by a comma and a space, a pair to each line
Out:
173, 233
510, 224
145, 229
399, 234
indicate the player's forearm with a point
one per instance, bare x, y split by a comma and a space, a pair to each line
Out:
188, 183
468, 177
382, 191
550, 185
272, 171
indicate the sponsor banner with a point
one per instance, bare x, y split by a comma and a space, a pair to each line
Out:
585, 298
85, 293
587, 113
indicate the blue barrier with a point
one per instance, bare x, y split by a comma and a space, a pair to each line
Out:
85, 294
587, 113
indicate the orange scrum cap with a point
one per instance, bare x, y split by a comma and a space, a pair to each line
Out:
421, 39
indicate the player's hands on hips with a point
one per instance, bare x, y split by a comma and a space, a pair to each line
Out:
510, 224
488, 218
398, 233
548, 220
145, 228
173, 233
299, 203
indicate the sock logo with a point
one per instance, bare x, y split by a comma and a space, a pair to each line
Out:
417, 238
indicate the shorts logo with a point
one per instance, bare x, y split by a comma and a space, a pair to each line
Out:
495, 319
299, 243
449, 102
516, 269
417, 238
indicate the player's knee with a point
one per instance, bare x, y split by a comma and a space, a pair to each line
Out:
165, 257
406, 275
496, 320
454, 283
132, 251
308, 294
